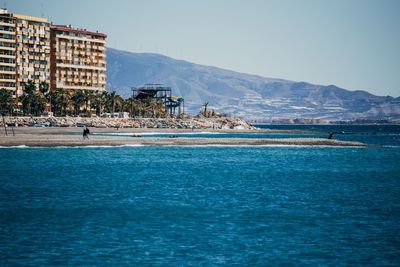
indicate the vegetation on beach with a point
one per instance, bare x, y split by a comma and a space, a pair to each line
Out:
7, 102
73, 108
38, 99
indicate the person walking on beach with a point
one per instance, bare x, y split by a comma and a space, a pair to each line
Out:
86, 133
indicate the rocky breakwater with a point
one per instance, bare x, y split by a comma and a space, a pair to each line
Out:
221, 123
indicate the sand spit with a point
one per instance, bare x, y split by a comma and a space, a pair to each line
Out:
127, 136
56, 140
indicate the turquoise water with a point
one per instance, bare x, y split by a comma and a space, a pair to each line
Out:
383, 135
244, 206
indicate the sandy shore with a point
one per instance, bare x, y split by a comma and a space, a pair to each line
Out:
50, 137
78, 130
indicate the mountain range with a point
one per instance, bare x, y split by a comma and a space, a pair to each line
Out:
248, 96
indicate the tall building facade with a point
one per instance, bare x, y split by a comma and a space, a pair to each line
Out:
32, 49
7, 51
78, 59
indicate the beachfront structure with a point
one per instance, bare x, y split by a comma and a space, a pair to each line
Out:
160, 93
78, 59
7, 51
32, 49
24, 51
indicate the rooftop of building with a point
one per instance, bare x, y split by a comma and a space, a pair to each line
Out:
4, 12
69, 28
30, 18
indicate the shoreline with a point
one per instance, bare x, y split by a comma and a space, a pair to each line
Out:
63, 137
69, 130
193, 142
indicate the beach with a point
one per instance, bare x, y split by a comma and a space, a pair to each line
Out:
72, 136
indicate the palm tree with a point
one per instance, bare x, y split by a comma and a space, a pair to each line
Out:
99, 101
34, 102
127, 104
52, 96
78, 98
205, 104
29, 87
158, 108
132, 106
151, 107
7, 102
27, 98
113, 100
119, 103
38, 102
88, 98
26, 103
44, 89
136, 108
62, 99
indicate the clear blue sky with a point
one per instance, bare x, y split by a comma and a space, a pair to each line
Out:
354, 44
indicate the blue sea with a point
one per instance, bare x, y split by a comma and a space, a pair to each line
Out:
382, 135
203, 206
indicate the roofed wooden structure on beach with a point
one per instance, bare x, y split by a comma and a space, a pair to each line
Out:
160, 93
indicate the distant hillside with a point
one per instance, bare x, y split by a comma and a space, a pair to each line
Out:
244, 95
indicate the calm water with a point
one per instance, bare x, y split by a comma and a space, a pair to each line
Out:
388, 135
384, 135
246, 206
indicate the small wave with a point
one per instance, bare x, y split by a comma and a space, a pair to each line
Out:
267, 145
102, 146
88, 146
93, 146
194, 146
19, 146
132, 145
391, 146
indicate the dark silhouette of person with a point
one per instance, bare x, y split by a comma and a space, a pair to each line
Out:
86, 133
330, 136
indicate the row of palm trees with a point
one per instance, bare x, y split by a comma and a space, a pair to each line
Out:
35, 100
